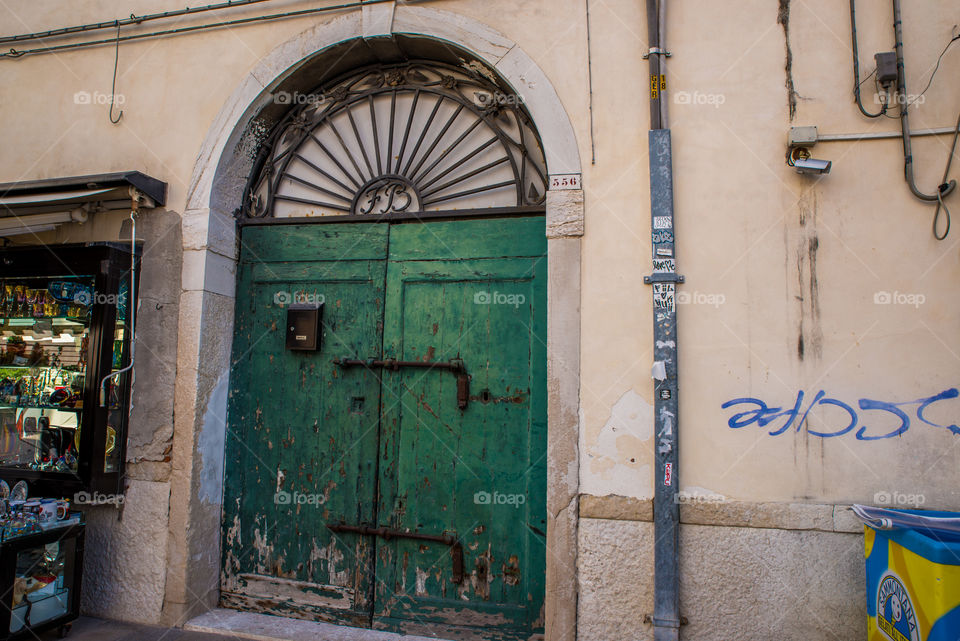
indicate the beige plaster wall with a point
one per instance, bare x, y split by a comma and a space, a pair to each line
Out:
747, 226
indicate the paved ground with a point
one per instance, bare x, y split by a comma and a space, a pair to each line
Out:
261, 627
225, 625
87, 629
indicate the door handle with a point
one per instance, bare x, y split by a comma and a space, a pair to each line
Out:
455, 366
456, 550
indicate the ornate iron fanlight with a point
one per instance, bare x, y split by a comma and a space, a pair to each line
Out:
399, 139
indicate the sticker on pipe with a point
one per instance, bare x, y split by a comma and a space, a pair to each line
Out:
664, 297
662, 222
664, 265
668, 473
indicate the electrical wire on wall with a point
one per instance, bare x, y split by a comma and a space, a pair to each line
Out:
133, 19
113, 88
946, 172
856, 66
135, 197
920, 97
18, 53
593, 147
884, 80
944, 188
936, 68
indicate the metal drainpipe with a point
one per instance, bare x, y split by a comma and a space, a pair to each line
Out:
664, 279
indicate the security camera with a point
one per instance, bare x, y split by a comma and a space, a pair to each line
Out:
799, 158
812, 166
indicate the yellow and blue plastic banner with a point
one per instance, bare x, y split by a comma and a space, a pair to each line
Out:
913, 580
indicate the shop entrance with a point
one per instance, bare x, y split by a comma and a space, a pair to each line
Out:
394, 477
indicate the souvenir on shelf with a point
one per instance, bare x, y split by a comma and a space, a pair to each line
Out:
64, 349
65, 333
21, 515
44, 579
19, 492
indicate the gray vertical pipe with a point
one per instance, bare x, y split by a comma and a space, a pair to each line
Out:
664, 279
666, 514
653, 36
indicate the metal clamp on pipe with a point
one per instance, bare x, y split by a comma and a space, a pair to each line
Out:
663, 277
656, 51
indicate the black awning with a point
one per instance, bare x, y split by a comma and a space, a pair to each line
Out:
74, 186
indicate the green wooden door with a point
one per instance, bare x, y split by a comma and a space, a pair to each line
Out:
472, 290
302, 434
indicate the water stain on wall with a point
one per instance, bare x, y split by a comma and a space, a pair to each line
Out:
809, 330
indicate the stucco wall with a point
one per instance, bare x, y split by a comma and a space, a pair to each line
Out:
770, 258
124, 557
803, 260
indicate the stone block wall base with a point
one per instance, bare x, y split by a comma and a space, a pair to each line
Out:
736, 582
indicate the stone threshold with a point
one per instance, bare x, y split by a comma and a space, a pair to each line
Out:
265, 627
728, 513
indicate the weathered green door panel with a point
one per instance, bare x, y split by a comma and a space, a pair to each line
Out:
479, 472
291, 243
302, 433
453, 240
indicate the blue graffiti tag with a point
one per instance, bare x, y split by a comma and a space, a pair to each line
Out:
763, 415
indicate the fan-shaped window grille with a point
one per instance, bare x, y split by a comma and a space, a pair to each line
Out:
400, 139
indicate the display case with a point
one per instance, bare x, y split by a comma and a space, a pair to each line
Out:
40, 577
65, 332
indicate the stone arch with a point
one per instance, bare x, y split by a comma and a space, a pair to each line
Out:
210, 252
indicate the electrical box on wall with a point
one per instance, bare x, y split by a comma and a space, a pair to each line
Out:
886, 67
802, 137
303, 326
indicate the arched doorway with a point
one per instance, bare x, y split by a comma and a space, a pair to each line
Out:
391, 470
210, 249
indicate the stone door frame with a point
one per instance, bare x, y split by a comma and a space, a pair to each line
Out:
207, 300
